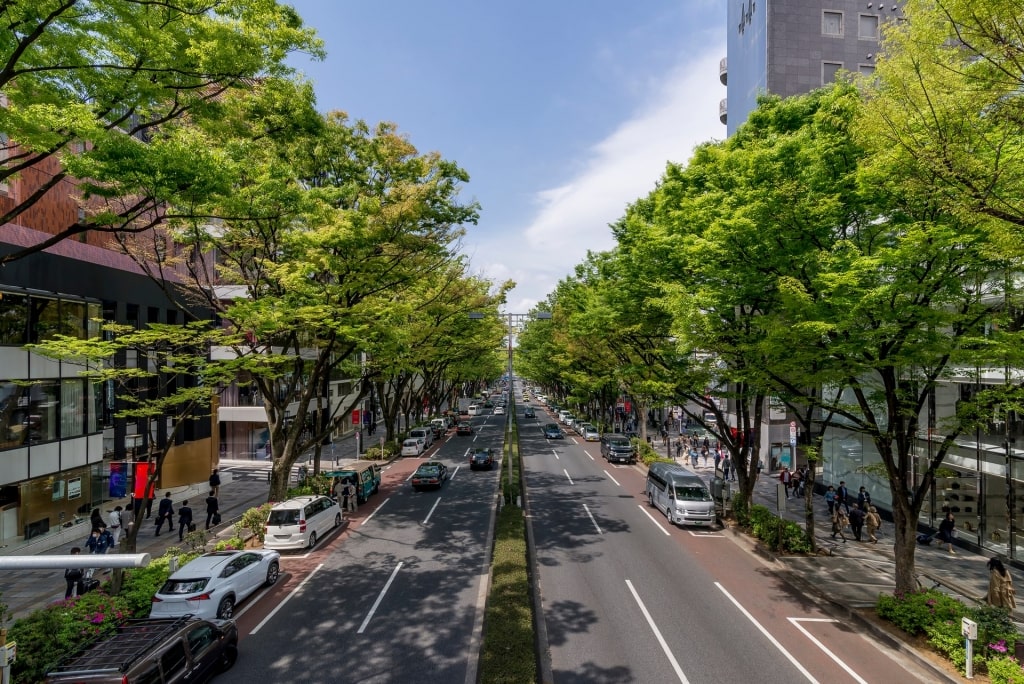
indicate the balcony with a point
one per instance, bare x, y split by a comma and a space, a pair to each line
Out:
723, 109
723, 71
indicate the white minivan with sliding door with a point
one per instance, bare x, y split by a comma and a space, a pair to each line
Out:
680, 495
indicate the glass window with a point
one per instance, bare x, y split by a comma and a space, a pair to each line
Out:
13, 416
173, 661
72, 408
13, 318
832, 23
96, 413
44, 320
72, 316
866, 69
94, 324
867, 27
829, 70
42, 420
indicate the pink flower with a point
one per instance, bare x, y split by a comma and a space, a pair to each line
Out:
999, 646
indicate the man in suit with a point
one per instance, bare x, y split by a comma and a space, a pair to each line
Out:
165, 512
184, 520
843, 497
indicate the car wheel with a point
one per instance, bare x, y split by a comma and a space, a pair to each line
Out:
228, 657
312, 539
226, 609
337, 520
273, 572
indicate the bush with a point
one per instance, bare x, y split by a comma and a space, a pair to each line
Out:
764, 525
647, 455
1005, 671
916, 611
375, 453
945, 638
253, 521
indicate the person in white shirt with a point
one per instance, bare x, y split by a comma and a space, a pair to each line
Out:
115, 525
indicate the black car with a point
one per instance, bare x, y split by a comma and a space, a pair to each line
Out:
431, 474
481, 459
529, 413
552, 431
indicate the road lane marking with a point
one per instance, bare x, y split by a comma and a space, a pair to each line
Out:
431, 510
642, 510
612, 478
592, 519
367, 518
567, 475
588, 454
285, 600
822, 646
574, 440
455, 473
380, 597
702, 533
410, 476
767, 634
657, 634
556, 455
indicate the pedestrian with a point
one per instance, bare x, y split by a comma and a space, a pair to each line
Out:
98, 542
796, 483
718, 458
704, 455
116, 521
165, 512
786, 478
73, 577
843, 496
1000, 586
350, 496
693, 456
726, 468
830, 499
863, 498
96, 519
184, 520
947, 531
839, 523
856, 521
215, 482
212, 509
872, 521
679, 447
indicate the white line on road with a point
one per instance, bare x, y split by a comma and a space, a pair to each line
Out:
380, 597
767, 635
822, 646
588, 454
410, 476
612, 478
642, 510
702, 533
431, 510
285, 600
455, 473
574, 440
367, 518
556, 455
567, 475
592, 519
657, 634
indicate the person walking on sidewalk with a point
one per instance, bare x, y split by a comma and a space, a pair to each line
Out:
1000, 586
839, 523
73, 577
98, 542
830, 500
165, 512
786, 477
184, 520
947, 531
726, 467
212, 509
863, 499
215, 482
872, 521
856, 521
116, 521
350, 496
843, 496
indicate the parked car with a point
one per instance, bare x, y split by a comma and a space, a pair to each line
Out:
431, 474
185, 649
210, 586
481, 459
589, 433
464, 428
552, 431
529, 412
412, 447
365, 475
617, 447
298, 523
424, 433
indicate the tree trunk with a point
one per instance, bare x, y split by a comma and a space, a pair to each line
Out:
905, 545
811, 474
279, 474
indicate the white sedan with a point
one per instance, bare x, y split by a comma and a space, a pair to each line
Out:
412, 447
499, 410
211, 585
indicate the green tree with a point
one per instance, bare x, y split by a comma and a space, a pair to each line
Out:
103, 93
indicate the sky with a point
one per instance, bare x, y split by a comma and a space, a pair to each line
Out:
563, 112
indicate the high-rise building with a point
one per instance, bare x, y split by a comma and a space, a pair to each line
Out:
787, 47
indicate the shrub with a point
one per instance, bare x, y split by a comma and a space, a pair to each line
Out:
1004, 671
253, 521
997, 634
945, 638
741, 509
764, 525
233, 544
916, 611
375, 453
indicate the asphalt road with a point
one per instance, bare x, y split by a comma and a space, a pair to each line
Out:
627, 597
395, 597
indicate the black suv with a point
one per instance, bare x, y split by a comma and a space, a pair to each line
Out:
164, 650
617, 448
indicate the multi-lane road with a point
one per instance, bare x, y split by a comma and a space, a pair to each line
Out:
398, 595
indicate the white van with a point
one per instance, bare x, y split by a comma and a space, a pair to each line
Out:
424, 433
680, 495
474, 410
298, 523
562, 414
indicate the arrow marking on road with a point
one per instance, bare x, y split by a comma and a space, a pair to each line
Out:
657, 634
796, 623
592, 519
286, 599
380, 597
767, 634
640, 506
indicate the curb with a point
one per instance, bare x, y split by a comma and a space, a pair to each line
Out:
800, 584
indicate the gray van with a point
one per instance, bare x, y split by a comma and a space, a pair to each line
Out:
617, 448
680, 495
425, 433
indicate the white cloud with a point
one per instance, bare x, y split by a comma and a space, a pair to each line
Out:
619, 169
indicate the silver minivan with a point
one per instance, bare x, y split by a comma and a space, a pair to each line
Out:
298, 523
680, 495
424, 433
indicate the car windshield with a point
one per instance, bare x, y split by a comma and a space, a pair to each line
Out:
427, 471
410, 443
692, 493
480, 454
287, 516
184, 586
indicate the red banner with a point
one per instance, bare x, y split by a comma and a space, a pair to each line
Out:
355, 417
142, 471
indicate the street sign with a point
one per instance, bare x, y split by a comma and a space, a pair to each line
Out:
792, 431
8, 653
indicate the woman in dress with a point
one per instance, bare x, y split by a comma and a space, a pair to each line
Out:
1000, 586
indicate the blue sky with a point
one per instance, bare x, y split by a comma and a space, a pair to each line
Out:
562, 111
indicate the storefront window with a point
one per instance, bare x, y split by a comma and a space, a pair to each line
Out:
43, 411
94, 324
13, 416
95, 407
72, 316
44, 321
13, 319
73, 406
